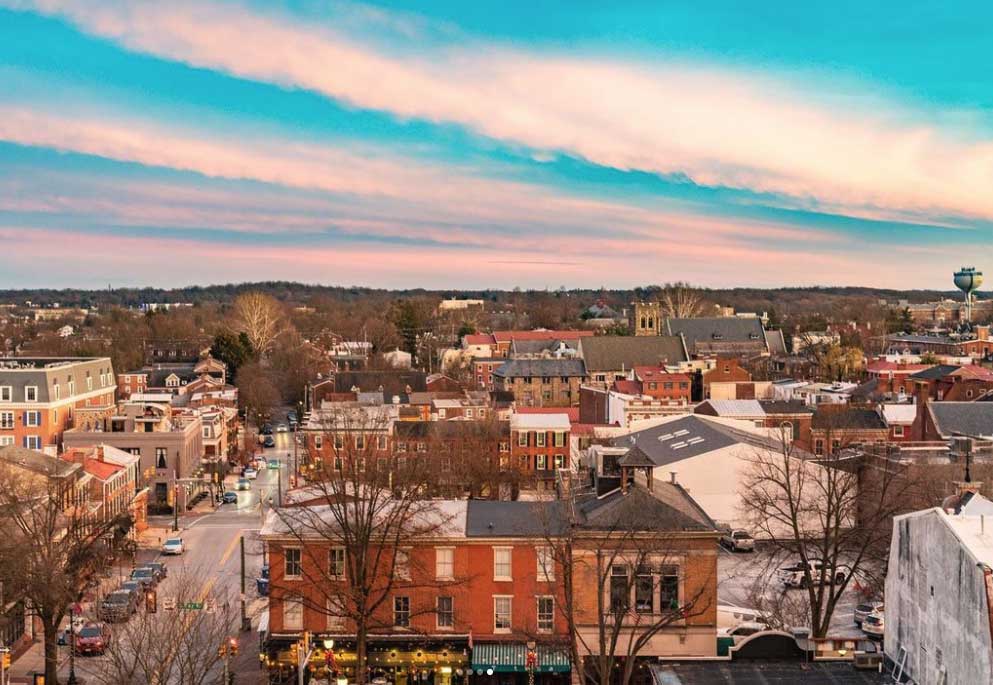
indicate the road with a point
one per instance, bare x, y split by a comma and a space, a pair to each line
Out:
212, 556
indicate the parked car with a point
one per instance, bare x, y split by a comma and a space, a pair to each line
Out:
269, 441
118, 606
77, 624
281, 428
229, 497
864, 609
873, 625
291, 416
135, 587
93, 638
738, 541
793, 575
250, 473
173, 546
146, 576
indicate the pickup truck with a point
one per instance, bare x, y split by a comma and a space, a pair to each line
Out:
738, 541
793, 575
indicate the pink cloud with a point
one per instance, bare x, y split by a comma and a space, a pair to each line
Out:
721, 128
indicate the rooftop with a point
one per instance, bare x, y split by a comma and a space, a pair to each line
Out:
549, 421
612, 352
516, 368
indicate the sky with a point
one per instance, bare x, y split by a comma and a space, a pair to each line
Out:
476, 145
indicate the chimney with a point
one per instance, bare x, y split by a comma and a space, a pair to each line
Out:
672, 477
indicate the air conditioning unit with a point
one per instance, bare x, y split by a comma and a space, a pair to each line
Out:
867, 661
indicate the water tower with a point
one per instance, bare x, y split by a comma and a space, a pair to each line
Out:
968, 280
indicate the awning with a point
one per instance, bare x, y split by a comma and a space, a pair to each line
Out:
508, 657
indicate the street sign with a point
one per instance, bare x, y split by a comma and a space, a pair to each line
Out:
169, 603
191, 606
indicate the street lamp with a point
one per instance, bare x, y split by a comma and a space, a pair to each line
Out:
72, 647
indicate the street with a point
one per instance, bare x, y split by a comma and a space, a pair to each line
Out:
211, 537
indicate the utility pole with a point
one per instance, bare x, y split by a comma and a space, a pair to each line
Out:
245, 625
175, 500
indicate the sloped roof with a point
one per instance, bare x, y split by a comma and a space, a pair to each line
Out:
37, 462
688, 437
737, 408
965, 418
935, 372
667, 507
845, 417
515, 368
612, 352
487, 518
775, 342
507, 336
708, 330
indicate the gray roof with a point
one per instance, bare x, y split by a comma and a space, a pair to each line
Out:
44, 372
612, 352
717, 329
966, 418
523, 347
667, 507
786, 407
686, 438
765, 671
775, 342
38, 462
844, 417
934, 372
486, 518
516, 368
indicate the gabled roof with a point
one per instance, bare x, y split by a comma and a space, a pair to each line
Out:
717, 329
479, 339
667, 507
37, 462
613, 352
508, 336
627, 387
935, 372
515, 368
842, 417
737, 408
487, 518
556, 421
775, 342
964, 418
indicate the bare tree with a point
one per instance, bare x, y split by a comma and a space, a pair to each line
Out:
257, 392
680, 301
173, 645
260, 317
53, 547
362, 512
832, 515
622, 582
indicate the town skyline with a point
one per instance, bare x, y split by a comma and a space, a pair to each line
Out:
452, 147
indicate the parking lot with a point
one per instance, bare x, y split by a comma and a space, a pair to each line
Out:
746, 579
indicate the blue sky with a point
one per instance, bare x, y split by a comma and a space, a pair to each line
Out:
502, 144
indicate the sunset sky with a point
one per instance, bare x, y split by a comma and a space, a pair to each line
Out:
477, 144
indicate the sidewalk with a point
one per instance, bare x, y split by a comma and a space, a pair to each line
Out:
32, 660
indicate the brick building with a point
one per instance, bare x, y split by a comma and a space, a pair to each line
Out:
40, 395
541, 382
539, 446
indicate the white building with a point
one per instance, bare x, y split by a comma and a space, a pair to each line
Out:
939, 593
398, 359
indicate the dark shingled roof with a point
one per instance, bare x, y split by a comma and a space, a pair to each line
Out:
517, 368
611, 352
392, 382
486, 518
725, 329
667, 507
966, 418
764, 672
786, 407
934, 373
775, 341
852, 418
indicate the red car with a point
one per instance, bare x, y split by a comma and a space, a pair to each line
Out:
93, 638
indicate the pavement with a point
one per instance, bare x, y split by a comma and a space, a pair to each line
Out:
211, 536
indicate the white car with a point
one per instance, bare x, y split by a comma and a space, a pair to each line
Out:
738, 541
873, 625
793, 576
742, 630
250, 474
173, 546
864, 609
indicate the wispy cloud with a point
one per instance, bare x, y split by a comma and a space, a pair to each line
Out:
718, 127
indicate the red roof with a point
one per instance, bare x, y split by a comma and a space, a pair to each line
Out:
655, 373
973, 371
628, 387
479, 339
571, 412
507, 336
101, 469
584, 428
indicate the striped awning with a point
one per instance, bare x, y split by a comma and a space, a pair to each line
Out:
508, 657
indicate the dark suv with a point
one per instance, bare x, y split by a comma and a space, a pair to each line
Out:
146, 576
118, 606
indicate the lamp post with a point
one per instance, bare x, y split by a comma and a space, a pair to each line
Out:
329, 657
531, 660
72, 646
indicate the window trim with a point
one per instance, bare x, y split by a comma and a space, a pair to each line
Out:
6, 393
286, 563
397, 612
438, 574
510, 614
510, 564
551, 614
450, 613
544, 564
30, 387
331, 564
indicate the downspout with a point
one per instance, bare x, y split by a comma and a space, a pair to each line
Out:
988, 579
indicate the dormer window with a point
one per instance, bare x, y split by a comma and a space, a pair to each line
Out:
717, 336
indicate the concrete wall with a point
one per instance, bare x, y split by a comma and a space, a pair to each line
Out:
936, 603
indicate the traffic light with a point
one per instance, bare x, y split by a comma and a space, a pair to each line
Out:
151, 602
233, 643
5, 660
222, 651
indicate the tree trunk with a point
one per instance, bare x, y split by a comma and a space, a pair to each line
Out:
51, 632
360, 654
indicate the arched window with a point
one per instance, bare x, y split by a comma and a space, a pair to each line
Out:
651, 322
643, 324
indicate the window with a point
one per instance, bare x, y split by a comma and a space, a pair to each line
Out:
653, 386
644, 591
898, 431
360, 442
32, 418
501, 563
559, 439
89, 382
504, 446
559, 461
6, 420
336, 562
32, 442
292, 613
72, 387
818, 446
160, 457
468, 413
619, 588
669, 587
58, 391
422, 447
336, 622
442, 413
55, 417
6, 440
546, 614
381, 443
294, 567
540, 435
401, 564
318, 441
546, 564
835, 445
501, 613
31, 393
401, 447
444, 563
6, 393
401, 612
787, 431
339, 441
545, 380
522, 439
206, 431
446, 612
339, 463
542, 462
